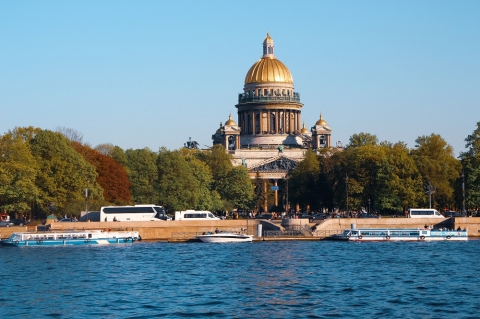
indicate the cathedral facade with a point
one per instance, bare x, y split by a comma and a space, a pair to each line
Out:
268, 136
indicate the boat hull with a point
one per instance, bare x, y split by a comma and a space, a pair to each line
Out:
225, 238
70, 238
339, 237
108, 241
379, 234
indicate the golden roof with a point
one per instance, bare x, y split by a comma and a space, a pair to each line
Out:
268, 70
304, 130
321, 121
230, 121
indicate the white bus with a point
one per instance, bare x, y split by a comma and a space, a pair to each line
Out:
424, 213
195, 215
137, 213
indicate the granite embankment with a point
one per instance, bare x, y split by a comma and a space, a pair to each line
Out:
185, 230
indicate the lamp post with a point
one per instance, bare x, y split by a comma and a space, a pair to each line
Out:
369, 206
86, 200
430, 189
346, 186
463, 191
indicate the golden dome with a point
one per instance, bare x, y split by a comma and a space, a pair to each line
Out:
304, 130
230, 121
321, 121
268, 70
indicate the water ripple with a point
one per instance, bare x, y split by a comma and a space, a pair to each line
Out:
268, 279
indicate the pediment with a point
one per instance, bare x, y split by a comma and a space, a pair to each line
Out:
278, 163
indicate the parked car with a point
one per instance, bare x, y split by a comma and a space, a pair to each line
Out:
6, 224
17, 221
454, 214
319, 216
264, 216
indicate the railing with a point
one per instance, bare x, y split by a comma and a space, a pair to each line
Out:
242, 98
325, 232
282, 233
303, 229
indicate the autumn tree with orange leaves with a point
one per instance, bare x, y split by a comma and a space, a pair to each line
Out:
112, 176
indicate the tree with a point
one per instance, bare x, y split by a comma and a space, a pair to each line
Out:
111, 176
105, 148
184, 182
303, 182
362, 139
142, 172
399, 181
436, 163
70, 133
63, 173
470, 161
239, 191
18, 170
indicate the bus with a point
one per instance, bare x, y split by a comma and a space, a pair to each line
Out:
137, 213
424, 213
195, 215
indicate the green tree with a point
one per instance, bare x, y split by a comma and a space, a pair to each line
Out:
399, 181
303, 188
184, 182
436, 163
63, 173
362, 139
142, 172
18, 170
471, 165
239, 191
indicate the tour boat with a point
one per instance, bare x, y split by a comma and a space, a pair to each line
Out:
85, 237
225, 237
400, 234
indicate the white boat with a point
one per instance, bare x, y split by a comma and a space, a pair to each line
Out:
400, 234
225, 237
85, 237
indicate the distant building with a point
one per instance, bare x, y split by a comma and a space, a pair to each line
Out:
270, 138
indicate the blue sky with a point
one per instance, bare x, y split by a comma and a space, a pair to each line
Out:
154, 73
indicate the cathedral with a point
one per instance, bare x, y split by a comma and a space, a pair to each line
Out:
269, 138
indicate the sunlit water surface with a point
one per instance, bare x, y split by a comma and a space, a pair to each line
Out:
321, 279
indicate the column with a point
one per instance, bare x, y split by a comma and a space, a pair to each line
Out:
277, 115
265, 203
276, 193
298, 121
253, 122
268, 122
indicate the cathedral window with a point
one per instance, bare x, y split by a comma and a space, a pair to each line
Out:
257, 123
249, 124
265, 92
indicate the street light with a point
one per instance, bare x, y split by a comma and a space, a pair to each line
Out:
346, 186
369, 206
463, 190
430, 189
86, 199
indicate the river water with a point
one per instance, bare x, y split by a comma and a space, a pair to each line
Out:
294, 279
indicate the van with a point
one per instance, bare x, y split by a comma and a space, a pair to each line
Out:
195, 215
424, 213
